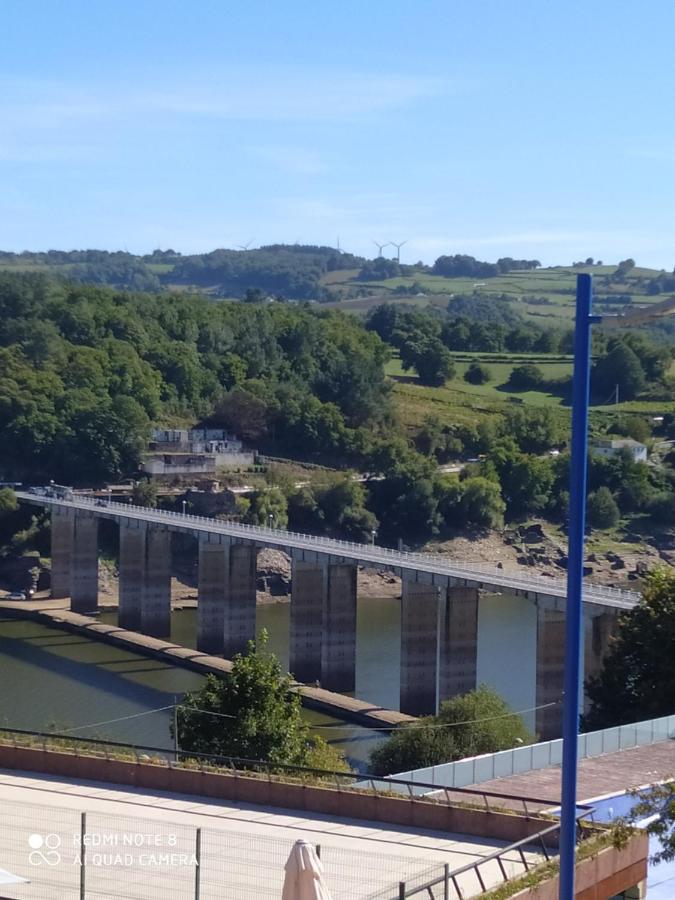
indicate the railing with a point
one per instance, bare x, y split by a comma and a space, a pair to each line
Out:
357, 875
455, 883
334, 546
490, 801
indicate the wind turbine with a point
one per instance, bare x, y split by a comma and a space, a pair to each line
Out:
380, 247
244, 246
398, 249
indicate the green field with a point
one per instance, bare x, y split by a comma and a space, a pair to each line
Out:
553, 288
460, 402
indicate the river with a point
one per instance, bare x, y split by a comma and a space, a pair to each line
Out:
54, 679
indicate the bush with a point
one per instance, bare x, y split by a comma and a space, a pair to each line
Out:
526, 378
473, 723
602, 509
477, 374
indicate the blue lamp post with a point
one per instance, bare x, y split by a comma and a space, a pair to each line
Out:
574, 615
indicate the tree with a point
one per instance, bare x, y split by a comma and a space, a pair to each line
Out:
256, 715
601, 509
467, 725
8, 502
621, 368
481, 504
144, 493
477, 373
637, 680
268, 507
657, 803
430, 359
526, 378
662, 507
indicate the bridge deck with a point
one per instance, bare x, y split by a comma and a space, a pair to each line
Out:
423, 567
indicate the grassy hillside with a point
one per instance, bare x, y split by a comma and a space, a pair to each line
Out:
459, 401
544, 296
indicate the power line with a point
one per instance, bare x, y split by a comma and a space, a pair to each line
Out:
147, 712
337, 725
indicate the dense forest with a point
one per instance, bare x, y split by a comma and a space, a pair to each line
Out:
85, 370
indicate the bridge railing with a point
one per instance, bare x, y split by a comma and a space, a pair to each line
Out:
373, 552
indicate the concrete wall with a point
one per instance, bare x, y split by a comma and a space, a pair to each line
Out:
240, 788
487, 767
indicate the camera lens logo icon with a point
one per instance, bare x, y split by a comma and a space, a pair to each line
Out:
44, 849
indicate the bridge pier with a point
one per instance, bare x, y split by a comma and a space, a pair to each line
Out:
239, 612
338, 651
420, 633
600, 626
308, 596
156, 599
214, 566
145, 579
459, 642
550, 670
132, 574
84, 572
63, 524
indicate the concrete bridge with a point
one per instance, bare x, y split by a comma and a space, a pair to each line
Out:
439, 605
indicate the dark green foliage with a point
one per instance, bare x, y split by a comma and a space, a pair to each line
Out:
144, 493
84, 371
430, 359
601, 509
257, 716
336, 507
526, 378
535, 430
292, 271
636, 427
269, 508
526, 480
475, 502
619, 368
468, 725
662, 507
379, 269
637, 680
477, 374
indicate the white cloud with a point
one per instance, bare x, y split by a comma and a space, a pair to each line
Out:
293, 160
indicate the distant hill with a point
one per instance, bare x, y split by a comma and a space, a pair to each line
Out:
326, 275
294, 272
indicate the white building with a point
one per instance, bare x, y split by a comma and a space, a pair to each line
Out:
611, 448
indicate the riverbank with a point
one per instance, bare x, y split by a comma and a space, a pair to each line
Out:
54, 613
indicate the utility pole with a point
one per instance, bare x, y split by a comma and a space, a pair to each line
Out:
175, 728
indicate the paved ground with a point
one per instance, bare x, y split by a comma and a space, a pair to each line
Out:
243, 848
600, 775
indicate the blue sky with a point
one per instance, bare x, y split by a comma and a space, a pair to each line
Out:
529, 128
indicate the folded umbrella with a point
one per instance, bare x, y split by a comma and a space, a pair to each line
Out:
304, 875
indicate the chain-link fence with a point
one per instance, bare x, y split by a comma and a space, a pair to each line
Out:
55, 853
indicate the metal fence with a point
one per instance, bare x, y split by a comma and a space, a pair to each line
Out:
64, 854
486, 873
